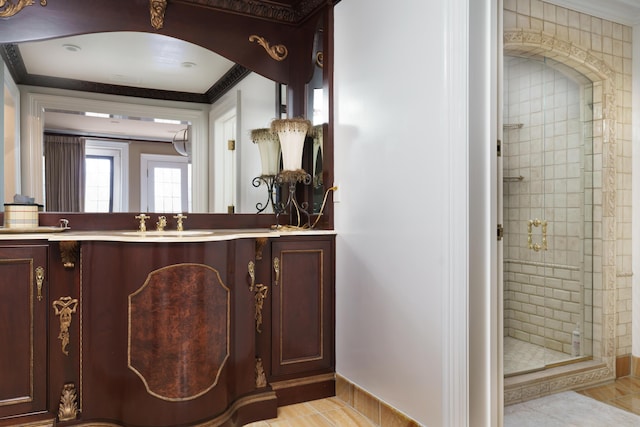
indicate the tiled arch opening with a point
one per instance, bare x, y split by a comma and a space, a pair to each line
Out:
534, 43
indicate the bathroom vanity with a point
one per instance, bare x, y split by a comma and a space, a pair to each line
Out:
211, 327
205, 328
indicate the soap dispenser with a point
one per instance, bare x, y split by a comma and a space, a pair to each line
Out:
575, 341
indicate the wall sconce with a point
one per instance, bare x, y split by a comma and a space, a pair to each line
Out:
292, 134
269, 146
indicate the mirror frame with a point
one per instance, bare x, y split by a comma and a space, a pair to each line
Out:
223, 32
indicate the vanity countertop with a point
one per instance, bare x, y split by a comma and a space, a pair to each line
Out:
193, 235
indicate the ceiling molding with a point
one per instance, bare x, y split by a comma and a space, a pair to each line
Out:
226, 82
284, 11
13, 59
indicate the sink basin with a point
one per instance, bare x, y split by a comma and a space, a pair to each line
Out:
168, 233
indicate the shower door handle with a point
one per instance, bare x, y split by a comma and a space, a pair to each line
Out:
537, 223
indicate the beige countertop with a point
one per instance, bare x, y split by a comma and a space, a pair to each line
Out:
56, 234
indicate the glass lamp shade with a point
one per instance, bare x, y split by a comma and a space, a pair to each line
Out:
291, 133
317, 134
182, 142
269, 148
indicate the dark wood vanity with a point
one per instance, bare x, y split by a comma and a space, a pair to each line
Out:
116, 330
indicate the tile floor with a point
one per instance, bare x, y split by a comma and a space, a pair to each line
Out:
521, 356
330, 412
567, 409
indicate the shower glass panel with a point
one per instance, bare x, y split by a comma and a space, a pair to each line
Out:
548, 213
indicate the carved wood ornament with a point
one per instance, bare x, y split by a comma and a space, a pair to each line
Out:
68, 409
278, 52
8, 8
65, 307
69, 252
261, 378
157, 9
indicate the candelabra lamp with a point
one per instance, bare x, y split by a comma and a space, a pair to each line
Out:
269, 147
292, 133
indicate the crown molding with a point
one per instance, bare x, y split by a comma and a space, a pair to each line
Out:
10, 53
290, 12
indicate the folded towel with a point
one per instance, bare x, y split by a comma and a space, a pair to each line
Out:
25, 200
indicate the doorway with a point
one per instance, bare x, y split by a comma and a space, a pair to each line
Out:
548, 189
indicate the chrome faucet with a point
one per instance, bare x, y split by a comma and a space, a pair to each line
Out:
142, 217
180, 217
162, 223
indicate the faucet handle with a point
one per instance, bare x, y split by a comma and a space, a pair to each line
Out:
142, 217
162, 223
180, 217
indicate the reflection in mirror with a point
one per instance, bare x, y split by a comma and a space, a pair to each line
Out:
107, 152
221, 175
317, 181
11, 125
318, 105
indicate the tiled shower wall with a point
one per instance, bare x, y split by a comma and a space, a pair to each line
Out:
610, 42
547, 173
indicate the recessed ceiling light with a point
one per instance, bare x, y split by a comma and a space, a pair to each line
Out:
71, 47
188, 64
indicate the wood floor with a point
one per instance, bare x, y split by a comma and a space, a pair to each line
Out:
624, 393
330, 412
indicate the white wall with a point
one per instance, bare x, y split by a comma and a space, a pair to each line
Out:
258, 109
401, 163
255, 101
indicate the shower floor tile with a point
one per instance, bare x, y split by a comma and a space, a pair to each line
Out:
521, 356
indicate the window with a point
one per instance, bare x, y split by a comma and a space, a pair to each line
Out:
98, 184
165, 183
106, 165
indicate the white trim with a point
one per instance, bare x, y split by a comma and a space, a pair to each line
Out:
455, 297
224, 162
33, 129
485, 359
120, 153
15, 93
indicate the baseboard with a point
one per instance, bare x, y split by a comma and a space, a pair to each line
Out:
377, 411
304, 389
623, 366
635, 366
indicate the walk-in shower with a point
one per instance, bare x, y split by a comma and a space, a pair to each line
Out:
548, 174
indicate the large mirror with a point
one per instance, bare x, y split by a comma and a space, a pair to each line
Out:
219, 171
135, 137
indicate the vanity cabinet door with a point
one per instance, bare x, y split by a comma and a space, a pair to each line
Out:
302, 325
23, 317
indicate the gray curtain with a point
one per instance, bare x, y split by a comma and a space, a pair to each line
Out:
64, 173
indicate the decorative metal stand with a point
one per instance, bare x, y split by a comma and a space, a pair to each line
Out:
292, 178
269, 180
